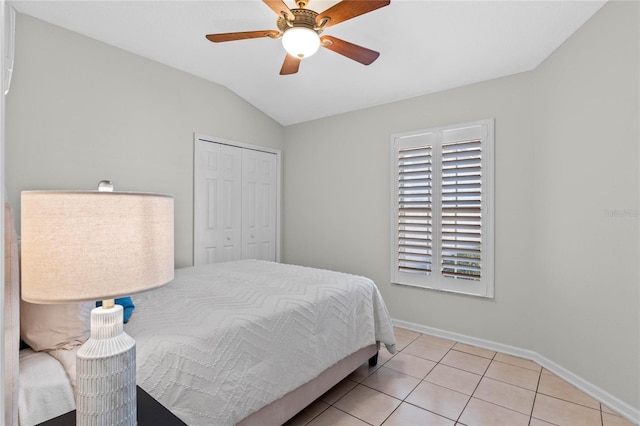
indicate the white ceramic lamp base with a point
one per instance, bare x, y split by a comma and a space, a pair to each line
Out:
106, 373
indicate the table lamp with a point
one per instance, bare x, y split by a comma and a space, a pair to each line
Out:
97, 245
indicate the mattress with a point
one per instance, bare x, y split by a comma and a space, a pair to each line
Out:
223, 340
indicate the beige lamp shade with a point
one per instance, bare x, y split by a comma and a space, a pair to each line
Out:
91, 245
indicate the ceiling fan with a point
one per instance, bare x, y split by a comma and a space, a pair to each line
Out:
300, 31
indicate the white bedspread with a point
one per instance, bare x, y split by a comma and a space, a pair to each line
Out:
223, 340
45, 391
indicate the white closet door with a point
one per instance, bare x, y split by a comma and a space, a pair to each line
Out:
217, 203
259, 198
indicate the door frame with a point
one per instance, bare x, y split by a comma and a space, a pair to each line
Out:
214, 139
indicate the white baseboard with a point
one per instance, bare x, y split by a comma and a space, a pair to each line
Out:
617, 405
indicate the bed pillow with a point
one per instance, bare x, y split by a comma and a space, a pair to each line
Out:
127, 306
60, 326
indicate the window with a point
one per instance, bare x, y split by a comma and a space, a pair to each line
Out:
442, 222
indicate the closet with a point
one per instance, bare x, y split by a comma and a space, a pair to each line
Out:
236, 201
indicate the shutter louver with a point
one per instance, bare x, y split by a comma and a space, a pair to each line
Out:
461, 210
414, 210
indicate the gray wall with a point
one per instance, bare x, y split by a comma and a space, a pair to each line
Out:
566, 156
80, 111
337, 196
586, 200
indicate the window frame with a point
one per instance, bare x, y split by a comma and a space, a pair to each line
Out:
436, 137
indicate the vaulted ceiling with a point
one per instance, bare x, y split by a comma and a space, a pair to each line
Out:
425, 46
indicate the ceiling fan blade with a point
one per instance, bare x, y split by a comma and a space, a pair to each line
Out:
352, 51
217, 38
290, 65
348, 9
280, 8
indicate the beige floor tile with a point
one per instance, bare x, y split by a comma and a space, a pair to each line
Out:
482, 413
368, 404
399, 331
505, 395
338, 391
442, 382
474, 350
464, 361
538, 422
615, 420
362, 372
308, 414
426, 350
520, 362
435, 340
392, 382
410, 415
608, 410
403, 341
439, 400
384, 356
410, 364
559, 388
514, 375
334, 417
562, 413
454, 378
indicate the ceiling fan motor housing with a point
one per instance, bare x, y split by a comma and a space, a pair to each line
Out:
303, 18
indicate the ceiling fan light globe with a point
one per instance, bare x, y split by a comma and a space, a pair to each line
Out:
301, 42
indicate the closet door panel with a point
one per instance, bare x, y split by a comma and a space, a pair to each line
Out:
217, 203
259, 185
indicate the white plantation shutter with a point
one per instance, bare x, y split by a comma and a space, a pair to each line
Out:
461, 208
415, 243
442, 224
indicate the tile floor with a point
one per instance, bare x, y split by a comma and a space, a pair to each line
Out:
435, 381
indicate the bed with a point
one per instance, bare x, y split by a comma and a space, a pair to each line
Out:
247, 342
